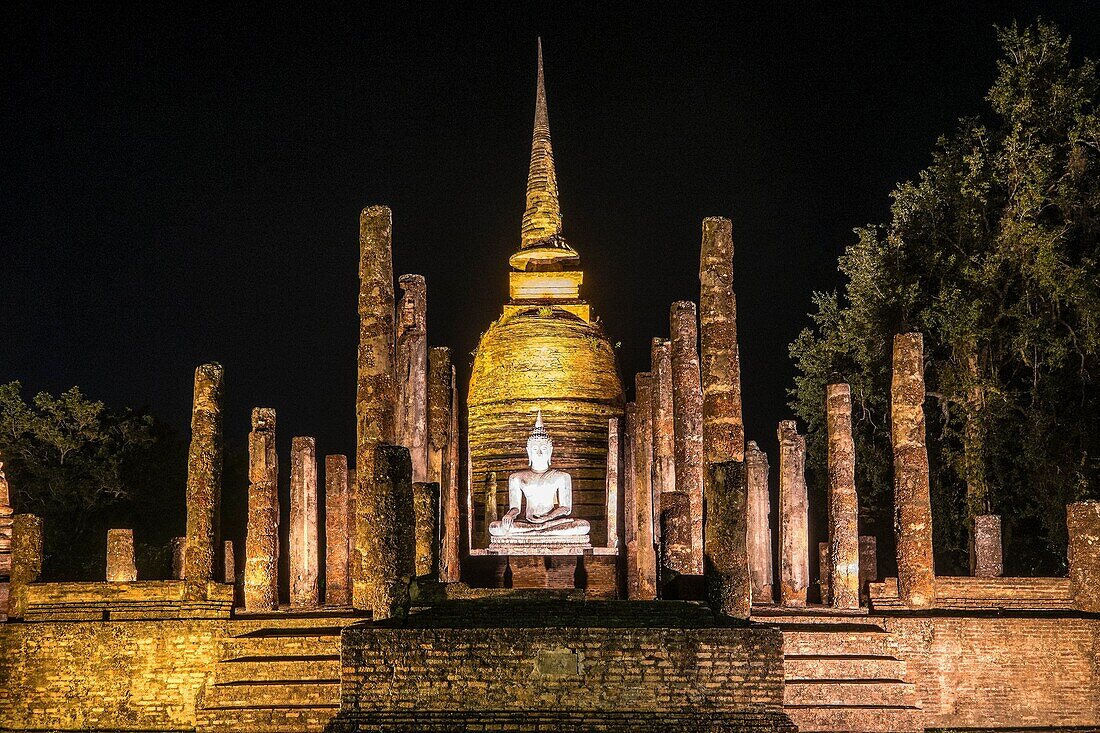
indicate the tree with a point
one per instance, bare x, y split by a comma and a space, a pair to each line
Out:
83, 469
993, 254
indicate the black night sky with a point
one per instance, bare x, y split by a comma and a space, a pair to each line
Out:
178, 186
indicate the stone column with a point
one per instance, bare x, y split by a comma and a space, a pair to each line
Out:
720, 367
630, 503
337, 577
441, 439
687, 418
230, 563
426, 527
912, 498
261, 544
373, 565
868, 566
121, 567
451, 468
613, 481
179, 557
491, 511
204, 477
987, 558
675, 536
726, 551
1083, 526
395, 562
27, 550
643, 482
760, 531
304, 588
411, 419
664, 441
843, 502
824, 576
794, 538
6, 513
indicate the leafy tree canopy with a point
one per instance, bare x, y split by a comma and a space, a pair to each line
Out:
993, 254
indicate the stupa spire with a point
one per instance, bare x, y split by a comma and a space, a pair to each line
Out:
541, 238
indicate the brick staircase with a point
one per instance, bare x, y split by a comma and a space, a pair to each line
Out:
276, 675
841, 673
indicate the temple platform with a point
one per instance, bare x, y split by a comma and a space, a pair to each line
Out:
520, 665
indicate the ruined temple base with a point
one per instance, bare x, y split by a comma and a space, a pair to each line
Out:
594, 570
560, 666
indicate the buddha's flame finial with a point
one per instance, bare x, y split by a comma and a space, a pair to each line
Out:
538, 432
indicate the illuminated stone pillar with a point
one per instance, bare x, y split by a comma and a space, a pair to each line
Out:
726, 551
643, 483
720, 368
824, 576
411, 418
442, 464
121, 567
426, 528
397, 517
204, 478
912, 497
843, 502
613, 481
6, 513
1083, 526
337, 575
179, 557
794, 538
673, 513
868, 566
229, 563
261, 543
760, 531
374, 585
492, 512
687, 412
630, 503
675, 535
303, 540
27, 551
987, 557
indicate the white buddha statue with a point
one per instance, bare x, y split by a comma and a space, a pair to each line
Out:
548, 495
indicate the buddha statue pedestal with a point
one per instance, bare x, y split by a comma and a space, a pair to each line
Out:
544, 497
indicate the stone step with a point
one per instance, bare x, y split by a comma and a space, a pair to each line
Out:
843, 667
285, 646
856, 719
828, 641
286, 719
272, 694
265, 669
826, 692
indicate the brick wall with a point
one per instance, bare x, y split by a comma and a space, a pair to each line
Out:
1002, 672
132, 675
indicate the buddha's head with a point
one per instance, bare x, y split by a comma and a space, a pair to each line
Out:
539, 446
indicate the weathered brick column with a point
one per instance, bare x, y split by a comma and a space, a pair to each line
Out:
824, 577
1083, 525
868, 565
261, 544
675, 535
373, 565
687, 418
121, 567
613, 483
630, 502
643, 485
720, 367
673, 511
27, 551
204, 478
337, 575
179, 557
411, 418
426, 527
6, 513
394, 562
987, 556
794, 539
912, 498
759, 529
491, 511
726, 551
442, 439
303, 535
843, 502
229, 564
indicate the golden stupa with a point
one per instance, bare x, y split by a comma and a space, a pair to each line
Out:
544, 352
